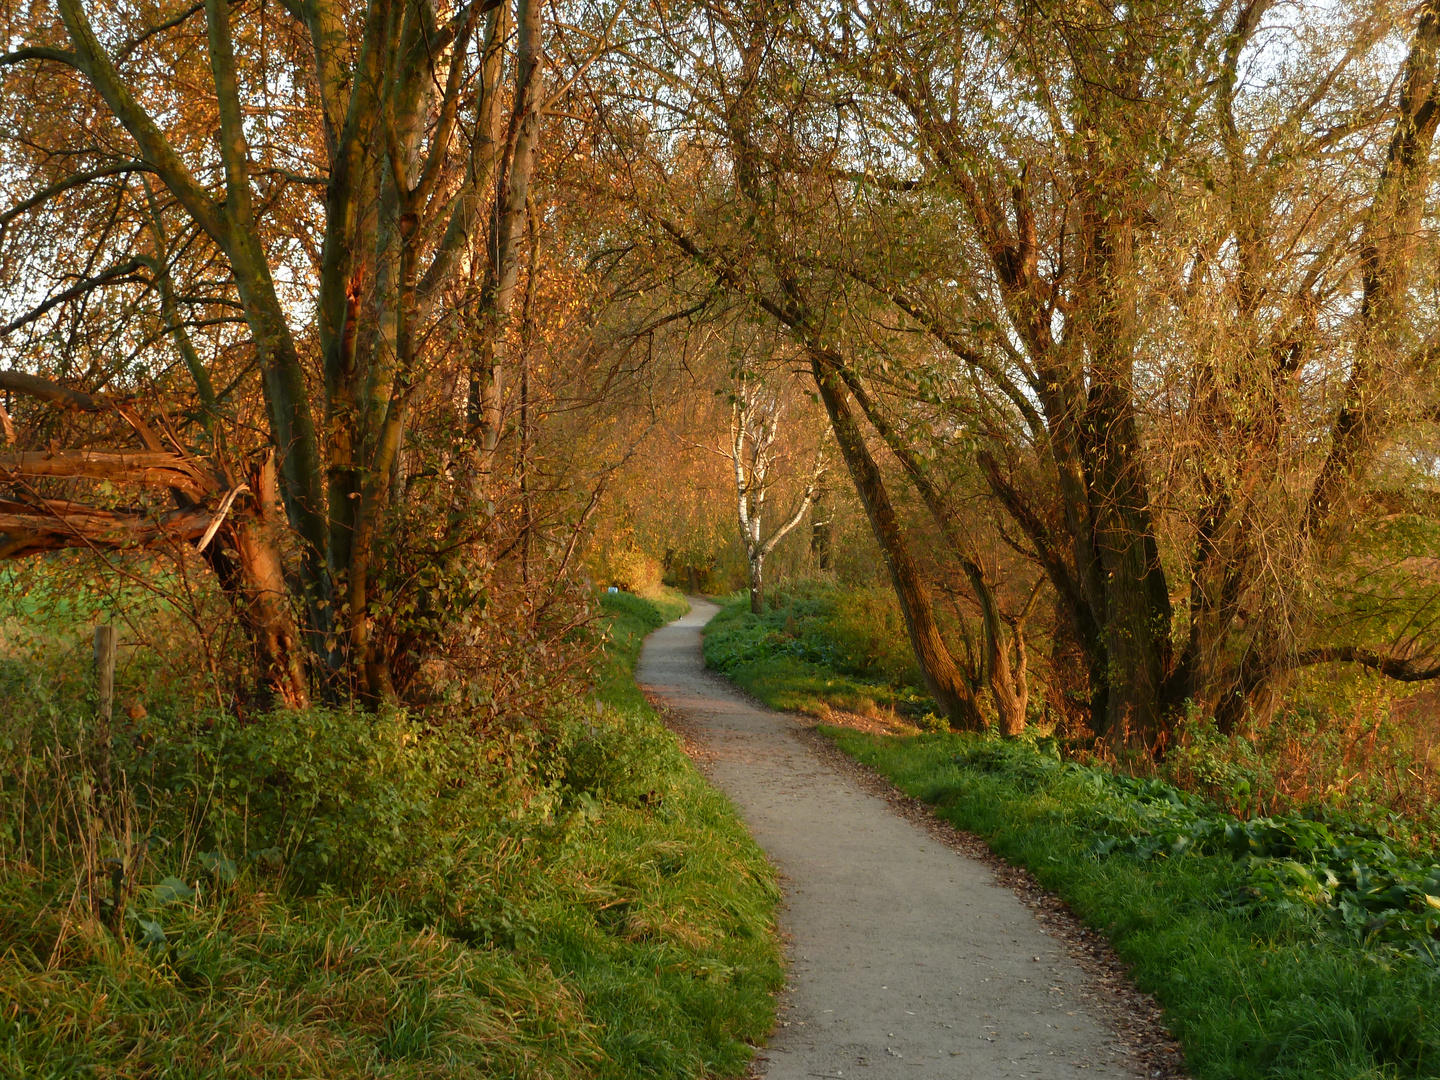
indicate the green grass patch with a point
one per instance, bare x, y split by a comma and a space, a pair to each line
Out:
336, 894
627, 619
819, 648
1279, 947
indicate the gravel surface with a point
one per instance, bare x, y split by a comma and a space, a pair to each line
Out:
912, 951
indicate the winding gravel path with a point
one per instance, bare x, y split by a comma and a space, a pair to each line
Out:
906, 959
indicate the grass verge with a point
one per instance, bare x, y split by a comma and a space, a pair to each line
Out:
818, 649
628, 618
1297, 944
1256, 977
598, 910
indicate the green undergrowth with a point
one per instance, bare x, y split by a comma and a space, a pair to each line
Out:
1292, 944
1287, 946
817, 648
340, 894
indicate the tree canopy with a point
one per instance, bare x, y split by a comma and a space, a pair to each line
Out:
1121, 318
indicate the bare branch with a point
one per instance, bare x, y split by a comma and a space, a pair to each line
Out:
1399, 668
58, 56
115, 275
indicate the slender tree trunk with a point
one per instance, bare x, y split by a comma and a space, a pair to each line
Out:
995, 670
820, 526
942, 677
497, 298
1007, 684
527, 345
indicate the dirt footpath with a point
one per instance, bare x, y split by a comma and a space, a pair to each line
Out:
906, 959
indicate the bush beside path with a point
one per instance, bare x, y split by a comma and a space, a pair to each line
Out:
336, 894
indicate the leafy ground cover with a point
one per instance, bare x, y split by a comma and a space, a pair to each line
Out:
820, 648
1286, 946
335, 894
1282, 941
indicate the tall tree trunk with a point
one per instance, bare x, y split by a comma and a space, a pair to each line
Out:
1136, 613
512, 190
996, 672
942, 677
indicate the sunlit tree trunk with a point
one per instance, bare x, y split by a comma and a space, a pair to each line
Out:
754, 427
944, 680
491, 318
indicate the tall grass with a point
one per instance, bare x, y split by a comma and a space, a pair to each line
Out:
334, 893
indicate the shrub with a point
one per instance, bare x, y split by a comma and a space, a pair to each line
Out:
611, 754
865, 629
339, 796
632, 570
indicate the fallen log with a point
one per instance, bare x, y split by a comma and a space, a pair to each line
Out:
29, 528
148, 468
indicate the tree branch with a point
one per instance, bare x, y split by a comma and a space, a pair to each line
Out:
59, 56
123, 53
18, 382
149, 468
1401, 669
121, 272
62, 186
155, 149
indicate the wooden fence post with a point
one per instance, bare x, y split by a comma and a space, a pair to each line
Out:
105, 688
105, 669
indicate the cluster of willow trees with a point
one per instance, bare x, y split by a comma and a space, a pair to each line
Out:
1122, 317
1135, 304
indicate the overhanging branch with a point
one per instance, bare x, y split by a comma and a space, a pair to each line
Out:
1399, 668
18, 382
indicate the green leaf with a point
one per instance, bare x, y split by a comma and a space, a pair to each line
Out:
221, 867
151, 932
172, 890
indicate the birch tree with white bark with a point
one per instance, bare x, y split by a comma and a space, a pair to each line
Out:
757, 412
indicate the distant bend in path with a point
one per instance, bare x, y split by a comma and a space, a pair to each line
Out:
906, 959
